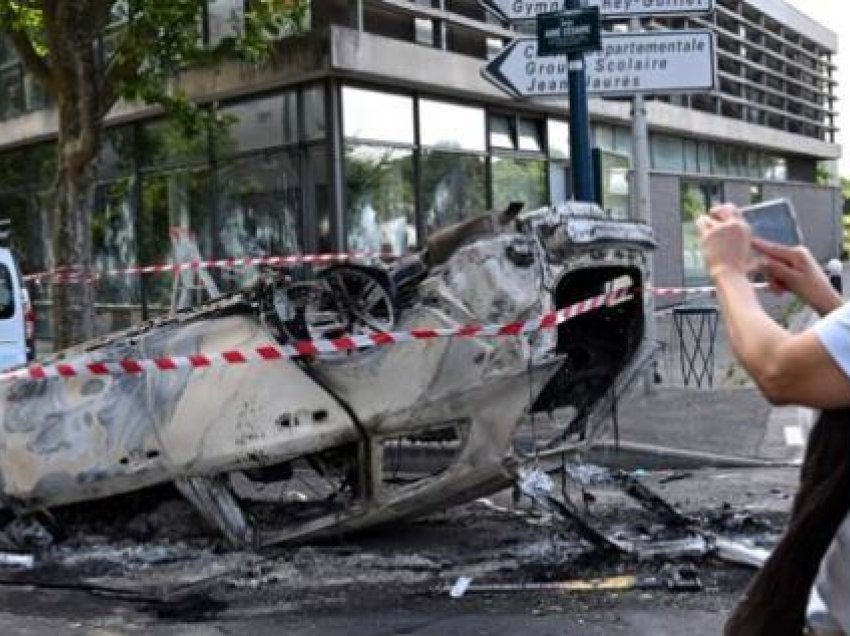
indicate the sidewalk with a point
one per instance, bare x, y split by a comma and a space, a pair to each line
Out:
730, 418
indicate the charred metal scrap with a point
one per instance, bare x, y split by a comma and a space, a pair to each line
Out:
302, 448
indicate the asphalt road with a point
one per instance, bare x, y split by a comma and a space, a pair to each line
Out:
394, 581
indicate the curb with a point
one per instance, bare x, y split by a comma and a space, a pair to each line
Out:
632, 454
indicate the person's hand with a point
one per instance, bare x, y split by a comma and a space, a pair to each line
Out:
725, 239
795, 270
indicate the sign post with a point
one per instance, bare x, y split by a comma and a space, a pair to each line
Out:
632, 64
581, 157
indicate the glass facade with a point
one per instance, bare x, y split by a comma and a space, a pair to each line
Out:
264, 183
414, 165
369, 115
379, 199
239, 189
452, 126
519, 180
697, 197
668, 153
453, 188
19, 92
690, 156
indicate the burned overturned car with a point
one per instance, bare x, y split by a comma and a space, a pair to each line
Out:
326, 443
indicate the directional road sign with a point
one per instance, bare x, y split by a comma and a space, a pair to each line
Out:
629, 63
611, 9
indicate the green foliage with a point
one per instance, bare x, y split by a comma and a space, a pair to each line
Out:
380, 177
453, 188
148, 43
89, 54
519, 180
26, 18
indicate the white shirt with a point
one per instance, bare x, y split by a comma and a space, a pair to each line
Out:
833, 582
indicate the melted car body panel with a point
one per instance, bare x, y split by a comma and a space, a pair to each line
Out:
343, 419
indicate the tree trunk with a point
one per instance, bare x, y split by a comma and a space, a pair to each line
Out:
73, 294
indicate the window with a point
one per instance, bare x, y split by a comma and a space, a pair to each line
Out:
494, 47
379, 213
315, 125
754, 164
721, 159
775, 168
260, 209
166, 142
623, 141
260, 200
7, 294
453, 188
502, 132
14, 170
373, 116
175, 205
559, 152
559, 182
11, 91
35, 94
519, 180
667, 153
697, 197
691, 157
225, 19
513, 133
260, 123
318, 181
614, 170
116, 153
424, 29
737, 162
603, 136
705, 159
452, 126
111, 34
114, 242
559, 139
530, 136
7, 52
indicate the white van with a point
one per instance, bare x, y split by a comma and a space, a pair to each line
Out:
17, 324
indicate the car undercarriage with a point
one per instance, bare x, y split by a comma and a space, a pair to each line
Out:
294, 449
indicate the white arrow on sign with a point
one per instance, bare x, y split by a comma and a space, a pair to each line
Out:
629, 63
530, 9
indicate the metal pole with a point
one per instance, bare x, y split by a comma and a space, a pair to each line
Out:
580, 150
641, 201
640, 151
360, 18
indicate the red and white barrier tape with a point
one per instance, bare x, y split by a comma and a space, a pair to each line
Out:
273, 352
661, 292
66, 275
693, 291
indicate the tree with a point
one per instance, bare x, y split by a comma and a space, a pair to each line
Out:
58, 44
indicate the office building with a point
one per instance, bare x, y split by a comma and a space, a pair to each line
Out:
375, 127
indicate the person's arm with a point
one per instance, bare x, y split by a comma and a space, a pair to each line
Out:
788, 368
795, 270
